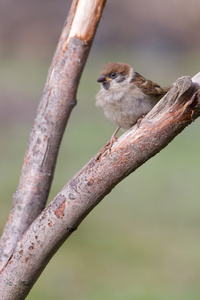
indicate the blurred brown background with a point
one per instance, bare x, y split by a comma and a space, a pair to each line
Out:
34, 26
142, 242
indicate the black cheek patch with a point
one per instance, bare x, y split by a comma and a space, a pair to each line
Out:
120, 79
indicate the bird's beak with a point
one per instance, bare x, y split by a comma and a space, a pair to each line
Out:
103, 78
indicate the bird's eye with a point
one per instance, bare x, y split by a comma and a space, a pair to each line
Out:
113, 75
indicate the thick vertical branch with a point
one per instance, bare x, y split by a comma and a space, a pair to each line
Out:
57, 102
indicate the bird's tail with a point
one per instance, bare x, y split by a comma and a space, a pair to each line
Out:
166, 89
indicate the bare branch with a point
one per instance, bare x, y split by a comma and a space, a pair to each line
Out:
196, 78
96, 179
57, 102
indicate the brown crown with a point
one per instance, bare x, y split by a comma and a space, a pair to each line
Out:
113, 67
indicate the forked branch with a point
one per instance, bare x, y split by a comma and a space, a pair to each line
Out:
96, 179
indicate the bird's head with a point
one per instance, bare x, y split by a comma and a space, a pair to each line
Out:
114, 73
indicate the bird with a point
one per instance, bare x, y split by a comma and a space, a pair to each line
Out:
126, 96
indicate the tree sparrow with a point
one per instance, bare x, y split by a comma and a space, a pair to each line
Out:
125, 95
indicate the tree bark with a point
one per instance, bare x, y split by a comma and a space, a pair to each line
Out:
89, 186
32, 235
54, 109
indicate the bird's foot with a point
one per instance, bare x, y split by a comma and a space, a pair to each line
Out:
107, 148
140, 120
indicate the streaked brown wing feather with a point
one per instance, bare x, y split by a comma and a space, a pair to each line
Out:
149, 87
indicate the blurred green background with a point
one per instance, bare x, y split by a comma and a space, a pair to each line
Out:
142, 242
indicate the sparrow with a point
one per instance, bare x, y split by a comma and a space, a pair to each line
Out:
125, 95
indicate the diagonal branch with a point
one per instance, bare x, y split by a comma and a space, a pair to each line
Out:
54, 109
95, 180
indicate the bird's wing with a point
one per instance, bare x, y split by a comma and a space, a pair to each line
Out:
149, 87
